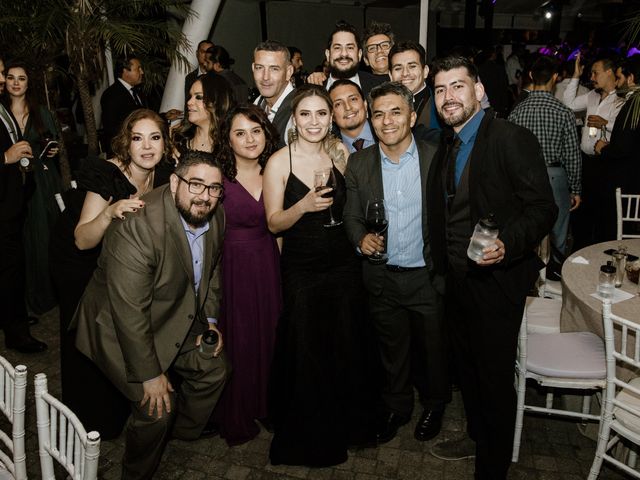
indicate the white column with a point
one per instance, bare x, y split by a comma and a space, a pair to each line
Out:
424, 19
196, 27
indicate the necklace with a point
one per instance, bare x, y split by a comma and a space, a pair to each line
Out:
148, 185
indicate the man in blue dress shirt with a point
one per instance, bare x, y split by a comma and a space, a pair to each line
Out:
404, 297
350, 115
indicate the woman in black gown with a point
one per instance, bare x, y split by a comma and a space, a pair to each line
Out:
107, 190
321, 399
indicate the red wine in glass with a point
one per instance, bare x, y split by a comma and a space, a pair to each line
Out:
377, 223
323, 179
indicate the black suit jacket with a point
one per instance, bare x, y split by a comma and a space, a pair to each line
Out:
507, 177
116, 103
621, 155
368, 81
188, 82
282, 116
364, 182
13, 190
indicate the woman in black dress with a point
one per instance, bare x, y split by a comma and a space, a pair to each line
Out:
107, 190
322, 399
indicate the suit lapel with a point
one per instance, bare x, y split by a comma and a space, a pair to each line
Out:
376, 185
475, 160
177, 235
211, 246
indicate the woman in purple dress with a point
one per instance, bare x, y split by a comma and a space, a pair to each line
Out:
251, 301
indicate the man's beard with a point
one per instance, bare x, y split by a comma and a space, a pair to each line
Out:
196, 220
459, 119
340, 74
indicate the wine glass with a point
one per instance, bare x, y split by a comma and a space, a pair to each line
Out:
377, 223
322, 179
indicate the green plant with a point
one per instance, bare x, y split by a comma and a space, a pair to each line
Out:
76, 33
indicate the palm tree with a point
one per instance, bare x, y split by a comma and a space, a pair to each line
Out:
82, 30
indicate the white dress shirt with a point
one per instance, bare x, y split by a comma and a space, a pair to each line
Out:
607, 108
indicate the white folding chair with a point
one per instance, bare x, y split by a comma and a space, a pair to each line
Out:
557, 360
13, 389
62, 437
621, 409
628, 211
547, 288
542, 315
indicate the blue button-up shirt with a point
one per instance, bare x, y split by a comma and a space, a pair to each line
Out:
195, 238
467, 138
403, 201
366, 134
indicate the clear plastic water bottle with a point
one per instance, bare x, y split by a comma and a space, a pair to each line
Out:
607, 280
484, 235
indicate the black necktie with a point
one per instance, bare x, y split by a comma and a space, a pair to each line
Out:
358, 144
452, 155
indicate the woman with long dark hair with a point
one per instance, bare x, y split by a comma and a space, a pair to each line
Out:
37, 127
210, 97
251, 298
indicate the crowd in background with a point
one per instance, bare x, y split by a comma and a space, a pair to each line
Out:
325, 346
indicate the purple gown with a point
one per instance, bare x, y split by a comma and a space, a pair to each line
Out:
251, 305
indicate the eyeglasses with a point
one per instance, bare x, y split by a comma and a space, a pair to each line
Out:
384, 46
216, 190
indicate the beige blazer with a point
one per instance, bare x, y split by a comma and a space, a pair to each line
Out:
139, 308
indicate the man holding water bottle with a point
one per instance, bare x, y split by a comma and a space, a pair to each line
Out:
489, 172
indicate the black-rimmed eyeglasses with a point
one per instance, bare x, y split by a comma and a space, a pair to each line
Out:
384, 46
216, 190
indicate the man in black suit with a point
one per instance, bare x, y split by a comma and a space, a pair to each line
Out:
272, 72
408, 65
490, 166
343, 54
121, 98
201, 69
16, 186
620, 155
405, 299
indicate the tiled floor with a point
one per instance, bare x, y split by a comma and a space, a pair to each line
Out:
552, 448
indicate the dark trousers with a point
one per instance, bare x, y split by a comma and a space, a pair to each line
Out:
483, 326
203, 378
588, 219
408, 319
13, 319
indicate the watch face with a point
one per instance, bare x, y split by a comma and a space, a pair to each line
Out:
25, 162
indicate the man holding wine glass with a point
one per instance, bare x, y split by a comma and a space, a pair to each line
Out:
386, 222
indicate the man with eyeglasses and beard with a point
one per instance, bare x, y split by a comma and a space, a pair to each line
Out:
156, 291
343, 54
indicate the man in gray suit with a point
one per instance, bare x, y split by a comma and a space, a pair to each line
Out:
155, 292
405, 299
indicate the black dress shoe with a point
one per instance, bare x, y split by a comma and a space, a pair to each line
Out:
429, 425
25, 344
389, 427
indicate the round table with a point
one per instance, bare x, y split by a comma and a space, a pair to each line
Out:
580, 311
